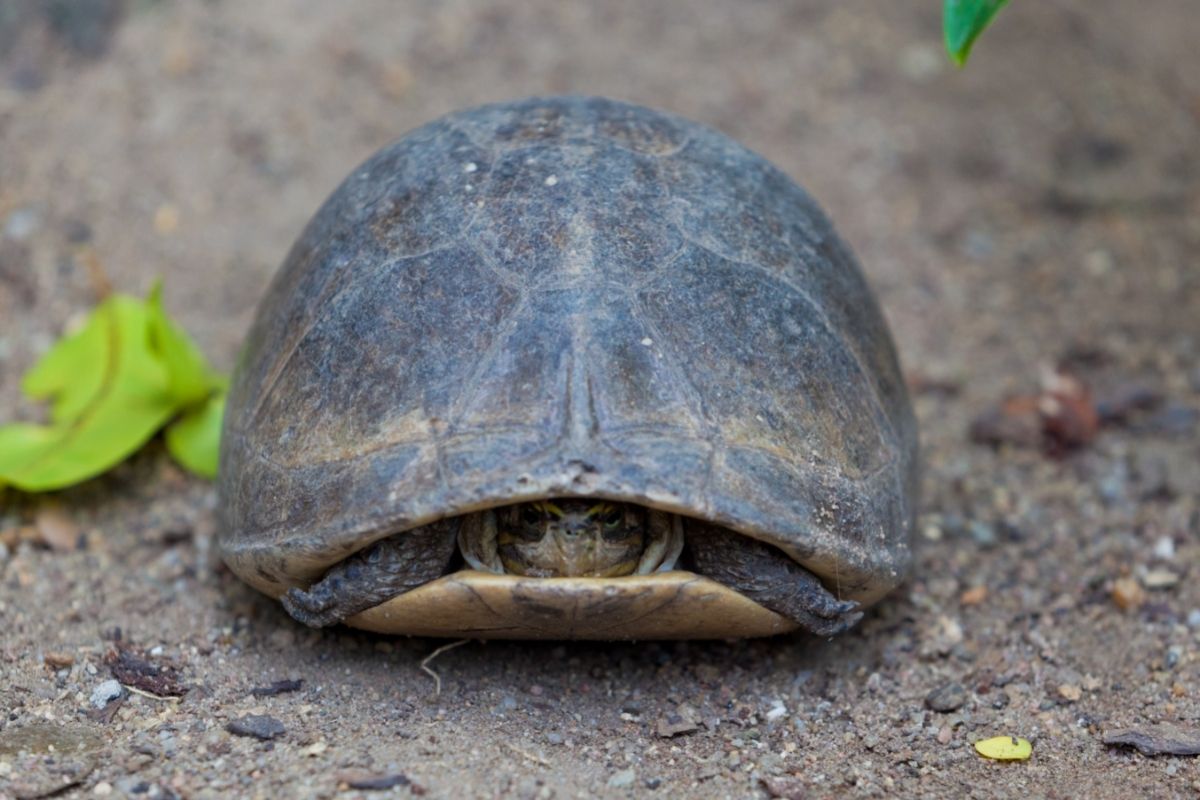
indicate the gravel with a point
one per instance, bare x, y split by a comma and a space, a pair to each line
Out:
946, 698
105, 693
258, 726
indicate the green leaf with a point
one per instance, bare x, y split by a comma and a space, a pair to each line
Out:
189, 378
109, 394
194, 439
963, 21
73, 370
21, 443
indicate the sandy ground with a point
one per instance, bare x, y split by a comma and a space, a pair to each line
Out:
1040, 208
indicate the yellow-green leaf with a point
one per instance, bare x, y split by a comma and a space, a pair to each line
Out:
189, 378
194, 439
109, 395
1005, 748
22, 443
73, 371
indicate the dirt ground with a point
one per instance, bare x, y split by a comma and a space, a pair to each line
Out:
1040, 208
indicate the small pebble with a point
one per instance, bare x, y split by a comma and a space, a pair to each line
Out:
258, 726
21, 224
1173, 657
973, 596
166, 219
1174, 420
919, 62
1070, 692
1193, 618
77, 232
674, 725
1128, 594
1160, 579
632, 705
622, 779
946, 698
105, 693
983, 533
1164, 548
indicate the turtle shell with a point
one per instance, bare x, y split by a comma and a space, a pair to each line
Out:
569, 297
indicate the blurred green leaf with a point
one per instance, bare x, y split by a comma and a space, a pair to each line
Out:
963, 21
22, 443
194, 440
73, 371
189, 378
110, 395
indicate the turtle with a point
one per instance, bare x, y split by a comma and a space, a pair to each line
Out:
568, 367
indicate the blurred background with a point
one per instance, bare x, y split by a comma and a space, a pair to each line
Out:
1038, 210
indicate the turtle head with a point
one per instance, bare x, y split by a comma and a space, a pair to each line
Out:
571, 537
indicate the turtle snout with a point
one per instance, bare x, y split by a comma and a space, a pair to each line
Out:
568, 529
577, 528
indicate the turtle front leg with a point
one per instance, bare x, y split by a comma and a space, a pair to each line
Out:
768, 577
387, 568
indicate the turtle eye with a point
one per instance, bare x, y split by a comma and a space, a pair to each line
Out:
530, 515
613, 518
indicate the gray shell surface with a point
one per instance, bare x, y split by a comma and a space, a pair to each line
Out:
568, 296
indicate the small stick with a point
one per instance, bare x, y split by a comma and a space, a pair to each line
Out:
437, 680
532, 757
152, 696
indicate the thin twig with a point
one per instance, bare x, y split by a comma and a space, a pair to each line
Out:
531, 756
437, 680
151, 695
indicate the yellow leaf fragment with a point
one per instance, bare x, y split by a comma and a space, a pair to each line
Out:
1005, 748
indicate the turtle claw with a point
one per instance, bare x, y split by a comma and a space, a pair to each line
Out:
770, 578
315, 609
829, 626
387, 568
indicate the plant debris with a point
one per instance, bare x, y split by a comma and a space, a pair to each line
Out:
1156, 740
138, 673
278, 687
1117, 406
1062, 417
1005, 748
57, 660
